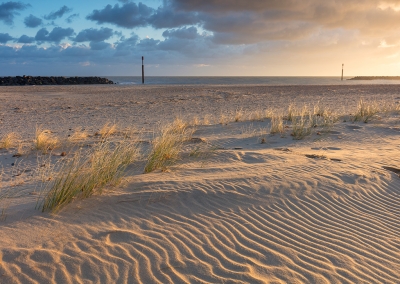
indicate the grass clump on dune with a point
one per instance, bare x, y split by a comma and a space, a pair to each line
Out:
45, 141
167, 146
9, 140
86, 174
78, 135
365, 110
238, 114
277, 125
107, 130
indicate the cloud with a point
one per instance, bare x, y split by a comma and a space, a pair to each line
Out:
186, 33
26, 39
125, 45
254, 21
168, 17
5, 37
129, 15
56, 35
9, 9
32, 22
132, 15
99, 45
58, 14
71, 18
94, 35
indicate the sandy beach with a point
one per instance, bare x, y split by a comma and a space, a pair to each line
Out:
240, 204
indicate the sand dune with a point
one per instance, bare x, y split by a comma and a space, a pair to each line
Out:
319, 210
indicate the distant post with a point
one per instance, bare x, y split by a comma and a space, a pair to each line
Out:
142, 70
342, 71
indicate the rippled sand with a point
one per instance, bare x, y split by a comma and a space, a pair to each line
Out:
320, 210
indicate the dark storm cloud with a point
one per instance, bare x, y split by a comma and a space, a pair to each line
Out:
32, 22
129, 15
58, 14
4, 38
71, 18
56, 35
26, 39
94, 35
9, 9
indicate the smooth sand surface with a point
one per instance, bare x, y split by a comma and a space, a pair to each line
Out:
325, 209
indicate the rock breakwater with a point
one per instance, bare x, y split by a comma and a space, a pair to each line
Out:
375, 78
30, 80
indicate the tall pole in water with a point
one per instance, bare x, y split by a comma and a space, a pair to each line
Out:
142, 70
342, 71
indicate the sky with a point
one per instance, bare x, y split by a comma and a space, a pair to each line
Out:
200, 37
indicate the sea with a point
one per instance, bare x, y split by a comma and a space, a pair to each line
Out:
272, 81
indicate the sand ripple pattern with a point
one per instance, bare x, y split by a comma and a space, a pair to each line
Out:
268, 226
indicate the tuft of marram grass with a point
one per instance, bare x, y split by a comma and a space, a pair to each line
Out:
207, 119
107, 130
45, 141
78, 135
302, 124
83, 175
9, 140
291, 112
365, 110
257, 115
196, 121
223, 119
238, 115
167, 146
277, 125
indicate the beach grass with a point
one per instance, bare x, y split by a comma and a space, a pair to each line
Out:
107, 130
302, 124
277, 125
365, 110
9, 140
238, 114
45, 141
167, 145
78, 135
85, 174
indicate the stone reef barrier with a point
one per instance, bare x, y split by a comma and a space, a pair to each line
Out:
39, 80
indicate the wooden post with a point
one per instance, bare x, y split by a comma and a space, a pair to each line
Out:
342, 71
142, 70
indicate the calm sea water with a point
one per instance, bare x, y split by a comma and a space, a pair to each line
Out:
136, 80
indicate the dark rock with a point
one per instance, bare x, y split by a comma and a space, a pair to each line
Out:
30, 80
